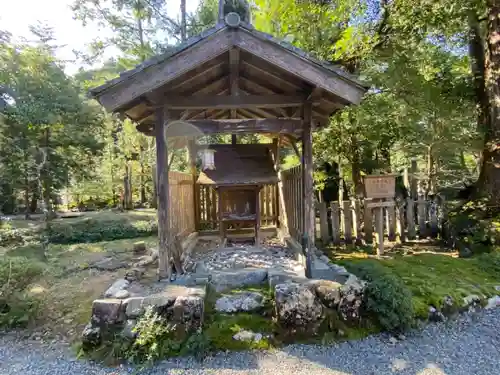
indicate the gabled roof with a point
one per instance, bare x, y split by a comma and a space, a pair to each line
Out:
201, 65
240, 164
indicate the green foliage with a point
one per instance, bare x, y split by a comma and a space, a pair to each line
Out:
155, 339
96, 230
388, 300
17, 308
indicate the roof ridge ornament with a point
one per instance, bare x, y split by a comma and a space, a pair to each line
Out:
232, 19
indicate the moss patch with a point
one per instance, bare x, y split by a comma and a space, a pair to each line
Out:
431, 277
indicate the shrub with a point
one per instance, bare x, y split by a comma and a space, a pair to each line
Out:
155, 339
16, 307
96, 230
387, 299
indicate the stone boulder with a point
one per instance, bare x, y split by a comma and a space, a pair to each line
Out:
351, 300
163, 302
328, 292
91, 336
297, 307
239, 302
226, 280
117, 286
135, 274
139, 248
107, 312
188, 315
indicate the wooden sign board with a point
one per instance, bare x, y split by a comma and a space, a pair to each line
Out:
380, 186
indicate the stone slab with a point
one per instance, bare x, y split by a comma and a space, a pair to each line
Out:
226, 280
166, 298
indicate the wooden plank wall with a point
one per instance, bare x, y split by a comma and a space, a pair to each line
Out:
292, 191
208, 207
181, 213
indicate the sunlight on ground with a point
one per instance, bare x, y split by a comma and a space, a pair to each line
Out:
37, 289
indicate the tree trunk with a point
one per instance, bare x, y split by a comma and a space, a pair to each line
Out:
431, 175
46, 180
490, 172
183, 20
356, 168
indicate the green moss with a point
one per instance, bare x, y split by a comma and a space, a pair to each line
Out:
432, 277
223, 327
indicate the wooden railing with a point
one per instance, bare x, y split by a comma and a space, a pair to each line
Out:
181, 215
292, 198
208, 208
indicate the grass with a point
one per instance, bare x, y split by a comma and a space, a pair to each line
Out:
431, 275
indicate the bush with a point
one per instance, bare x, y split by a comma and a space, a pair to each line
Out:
155, 339
387, 299
96, 230
16, 307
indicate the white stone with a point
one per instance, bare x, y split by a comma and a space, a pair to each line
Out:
116, 287
471, 299
493, 302
393, 340
122, 294
245, 335
244, 301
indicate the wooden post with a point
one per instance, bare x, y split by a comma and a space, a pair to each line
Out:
257, 218
323, 224
347, 221
379, 225
308, 187
164, 269
368, 222
421, 211
400, 222
282, 212
222, 226
410, 218
356, 220
233, 139
443, 220
391, 223
335, 222
413, 178
192, 167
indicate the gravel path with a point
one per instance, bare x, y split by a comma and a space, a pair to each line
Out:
468, 346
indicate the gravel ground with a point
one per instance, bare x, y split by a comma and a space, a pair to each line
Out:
467, 346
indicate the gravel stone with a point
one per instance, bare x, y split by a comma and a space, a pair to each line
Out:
437, 349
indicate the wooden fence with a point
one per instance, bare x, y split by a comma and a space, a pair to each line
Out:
292, 199
356, 221
208, 208
181, 213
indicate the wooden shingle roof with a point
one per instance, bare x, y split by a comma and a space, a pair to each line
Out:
240, 164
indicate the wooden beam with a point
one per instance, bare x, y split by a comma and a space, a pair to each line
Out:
196, 127
308, 190
229, 102
164, 269
234, 72
297, 65
192, 167
160, 74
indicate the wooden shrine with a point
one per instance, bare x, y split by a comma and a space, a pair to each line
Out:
231, 79
240, 171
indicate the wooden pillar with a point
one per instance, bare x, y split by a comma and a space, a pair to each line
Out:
308, 186
192, 167
368, 225
233, 139
164, 269
282, 212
